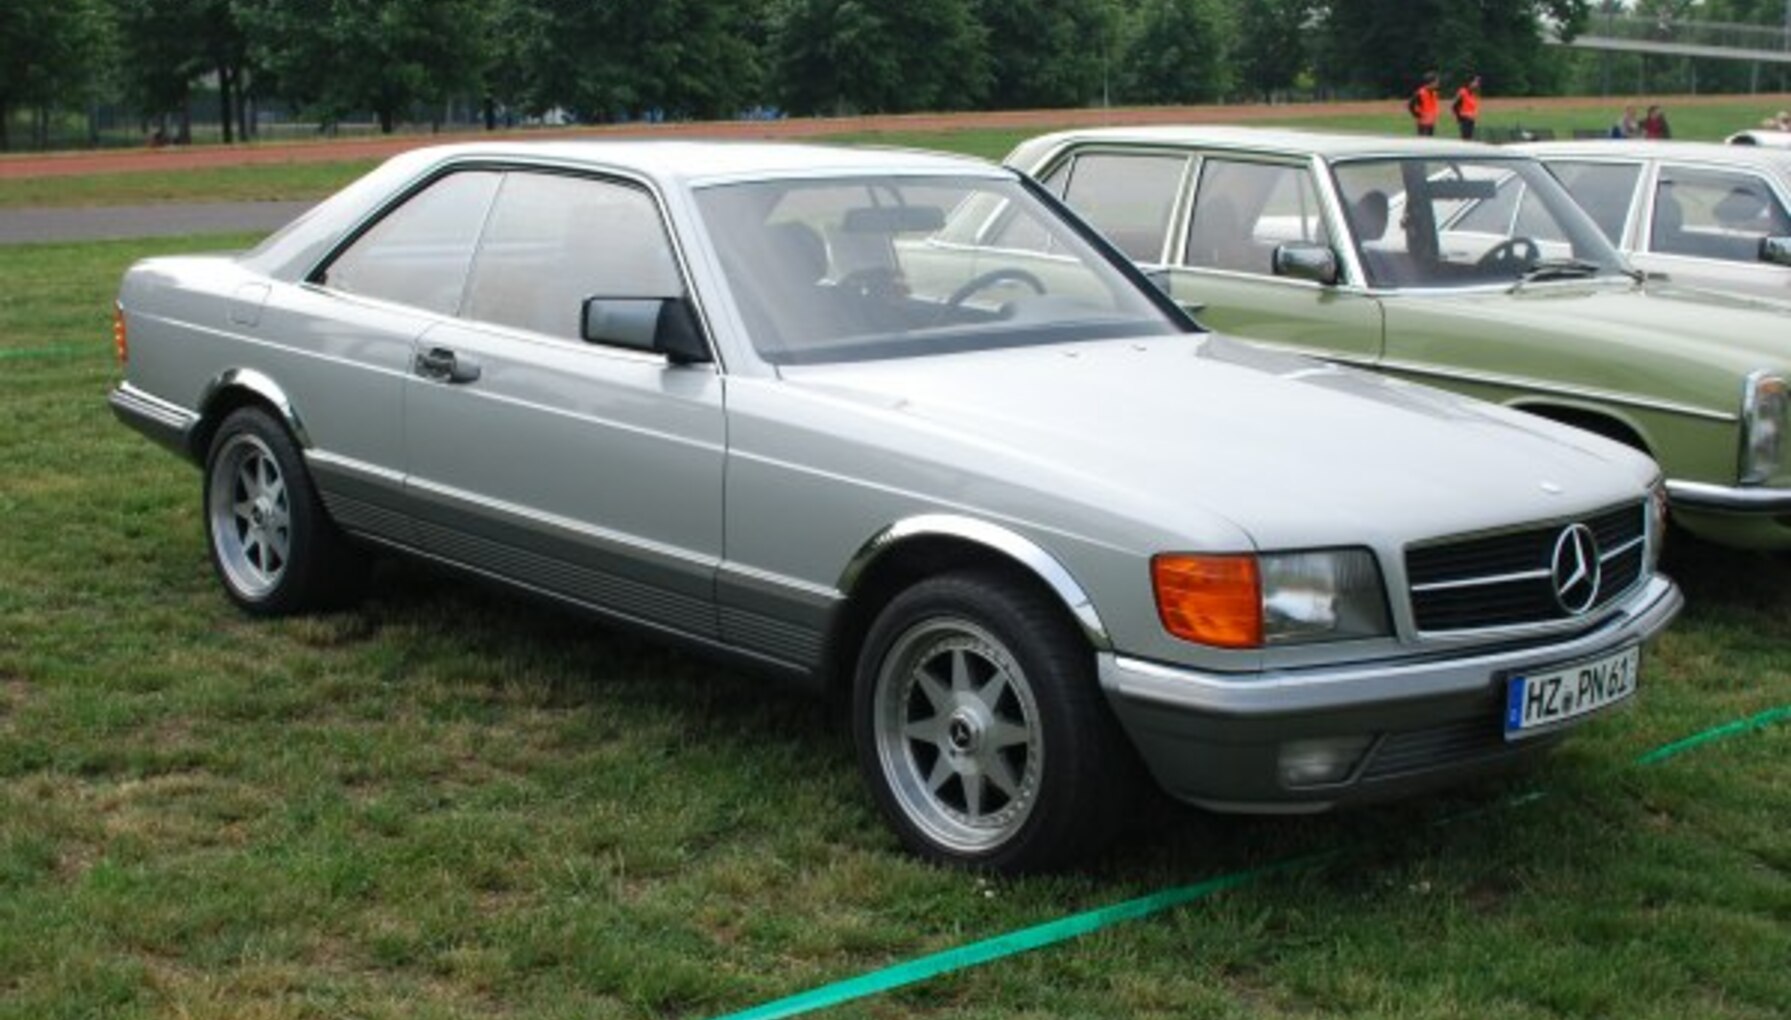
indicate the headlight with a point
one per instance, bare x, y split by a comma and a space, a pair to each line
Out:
1764, 400
1248, 601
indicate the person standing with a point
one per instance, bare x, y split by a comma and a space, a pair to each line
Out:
1423, 104
1655, 124
1467, 107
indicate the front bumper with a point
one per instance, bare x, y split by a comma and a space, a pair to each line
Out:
1728, 499
168, 424
1216, 739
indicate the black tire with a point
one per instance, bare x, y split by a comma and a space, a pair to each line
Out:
1054, 777
272, 545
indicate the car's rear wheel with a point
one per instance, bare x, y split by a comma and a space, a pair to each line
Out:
273, 546
981, 730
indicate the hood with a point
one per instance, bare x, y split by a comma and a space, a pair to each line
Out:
1294, 453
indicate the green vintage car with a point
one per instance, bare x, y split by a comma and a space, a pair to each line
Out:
1407, 256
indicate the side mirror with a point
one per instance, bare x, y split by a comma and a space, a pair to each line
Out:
1303, 260
1776, 250
665, 326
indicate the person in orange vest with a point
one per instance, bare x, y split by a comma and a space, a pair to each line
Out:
1467, 107
1423, 104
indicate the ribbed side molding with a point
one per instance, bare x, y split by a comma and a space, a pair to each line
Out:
778, 639
361, 517
603, 590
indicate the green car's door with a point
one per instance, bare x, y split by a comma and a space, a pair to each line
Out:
1243, 209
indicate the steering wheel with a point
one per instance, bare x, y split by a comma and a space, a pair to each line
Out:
989, 279
1514, 254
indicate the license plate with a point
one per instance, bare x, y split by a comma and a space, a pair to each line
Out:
1539, 701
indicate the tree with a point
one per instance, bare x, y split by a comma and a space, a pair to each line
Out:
1386, 47
1272, 46
1046, 53
382, 56
1177, 51
53, 54
168, 44
836, 56
681, 58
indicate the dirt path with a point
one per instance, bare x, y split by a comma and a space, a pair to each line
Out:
337, 150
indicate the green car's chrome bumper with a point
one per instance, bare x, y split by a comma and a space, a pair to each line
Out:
1729, 499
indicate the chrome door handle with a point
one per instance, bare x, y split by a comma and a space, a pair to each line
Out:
444, 365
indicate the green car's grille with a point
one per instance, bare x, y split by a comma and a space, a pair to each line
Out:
1508, 579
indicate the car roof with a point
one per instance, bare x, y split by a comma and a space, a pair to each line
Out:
1755, 156
1281, 141
692, 162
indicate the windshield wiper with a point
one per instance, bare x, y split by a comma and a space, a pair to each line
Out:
1558, 269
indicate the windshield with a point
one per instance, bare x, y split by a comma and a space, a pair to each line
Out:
879, 267
1467, 222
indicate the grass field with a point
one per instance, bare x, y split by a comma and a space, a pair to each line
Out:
451, 803
305, 180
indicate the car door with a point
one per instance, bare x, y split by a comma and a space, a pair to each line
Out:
1243, 208
1705, 227
590, 471
358, 318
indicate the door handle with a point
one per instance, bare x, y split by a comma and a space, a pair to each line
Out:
444, 365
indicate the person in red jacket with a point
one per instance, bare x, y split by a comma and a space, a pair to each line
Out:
1423, 104
1467, 107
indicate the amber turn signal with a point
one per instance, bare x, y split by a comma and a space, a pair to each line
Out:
1214, 600
121, 345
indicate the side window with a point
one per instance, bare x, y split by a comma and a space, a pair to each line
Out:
1127, 198
1604, 190
1243, 211
554, 241
1715, 214
418, 254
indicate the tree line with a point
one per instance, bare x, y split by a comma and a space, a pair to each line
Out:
605, 60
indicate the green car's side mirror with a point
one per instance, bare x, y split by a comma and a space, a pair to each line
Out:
1776, 250
1304, 260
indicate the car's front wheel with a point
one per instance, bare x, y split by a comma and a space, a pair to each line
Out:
272, 544
981, 730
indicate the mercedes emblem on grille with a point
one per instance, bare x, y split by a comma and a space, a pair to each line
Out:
1575, 569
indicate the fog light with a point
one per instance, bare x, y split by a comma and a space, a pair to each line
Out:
1321, 762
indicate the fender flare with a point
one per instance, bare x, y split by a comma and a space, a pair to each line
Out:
259, 384
1013, 546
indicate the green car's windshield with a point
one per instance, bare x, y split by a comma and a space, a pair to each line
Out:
1467, 222
836, 269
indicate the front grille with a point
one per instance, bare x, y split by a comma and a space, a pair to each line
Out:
1506, 579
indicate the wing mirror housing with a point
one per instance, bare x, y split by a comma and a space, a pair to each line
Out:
665, 326
1304, 260
1776, 250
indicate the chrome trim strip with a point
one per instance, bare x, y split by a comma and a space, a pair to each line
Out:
1583, 393
1277, 693
1478, 582
806, 591
359, 468
1727, 498
995, 537
262, 386
1612, 554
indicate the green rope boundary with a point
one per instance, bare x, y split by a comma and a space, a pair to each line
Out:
1023, 940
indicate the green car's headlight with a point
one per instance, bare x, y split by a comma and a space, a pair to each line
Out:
1764, 402
1327, 595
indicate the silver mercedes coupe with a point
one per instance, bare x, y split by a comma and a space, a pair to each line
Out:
1041, 533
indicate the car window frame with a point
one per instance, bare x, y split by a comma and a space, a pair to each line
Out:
1341, 243
1179, 202
1645, 232
1641, 193
313, 277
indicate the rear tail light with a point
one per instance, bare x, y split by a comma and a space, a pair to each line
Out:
121, 344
